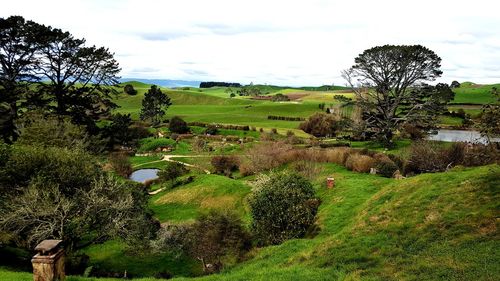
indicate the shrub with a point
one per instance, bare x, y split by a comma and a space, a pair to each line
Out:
274, 131
211, 130
480, 154
216, 237
283, 208
225, 164
427, 157
265, 156
120, 163
129, 89
320, 125
359, 163
177, 125
171, 172
386, 168
199, 145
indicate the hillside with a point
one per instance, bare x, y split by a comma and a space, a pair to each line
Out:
373, 228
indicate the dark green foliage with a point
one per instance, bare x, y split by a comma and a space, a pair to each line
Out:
129, 89
219, 84
18, 45
172, 171
320, 125
283, 208
216, 236
154, 105
211, 130
225, 164
52, 131
386, 168
61, 193
178, 126
75, 77
489, 123
455, 84
119, 131
280, 97
80, 86
392, 93
70, 169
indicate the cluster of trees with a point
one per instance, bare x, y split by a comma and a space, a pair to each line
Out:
219, 84
251, 91
323, 125
49, 69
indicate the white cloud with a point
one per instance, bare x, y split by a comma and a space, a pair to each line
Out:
277, 42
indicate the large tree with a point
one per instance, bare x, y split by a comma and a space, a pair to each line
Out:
78, 78
154, 104
389, 84
19, 42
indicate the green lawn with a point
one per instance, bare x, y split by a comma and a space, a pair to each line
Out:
474, 94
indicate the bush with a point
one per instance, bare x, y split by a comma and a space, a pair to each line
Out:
177, 125
284, 207
359, 163
129, 89
216, 237
199, 145
386, 168
211, 130
427, 157
225, 164
263, 157
320, 125
171, 172
120, 163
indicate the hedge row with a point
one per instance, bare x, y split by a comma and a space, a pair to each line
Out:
285, 118
221, 126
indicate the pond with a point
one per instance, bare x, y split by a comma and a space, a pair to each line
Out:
144, 175
459, 136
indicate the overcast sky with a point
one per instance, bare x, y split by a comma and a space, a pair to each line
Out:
276, 42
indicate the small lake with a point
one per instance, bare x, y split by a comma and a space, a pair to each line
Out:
144, 175
459, 136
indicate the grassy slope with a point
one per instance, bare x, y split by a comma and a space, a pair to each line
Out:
474, 93
434, 226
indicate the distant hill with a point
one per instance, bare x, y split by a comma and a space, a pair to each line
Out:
164, 82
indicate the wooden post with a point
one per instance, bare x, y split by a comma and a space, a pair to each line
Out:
48, 263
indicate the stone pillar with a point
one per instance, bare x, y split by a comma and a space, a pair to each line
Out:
330, 182
48, 263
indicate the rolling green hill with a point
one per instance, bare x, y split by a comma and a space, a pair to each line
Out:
432, 226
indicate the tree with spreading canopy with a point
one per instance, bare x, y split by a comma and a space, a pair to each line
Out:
154, 104
389, 85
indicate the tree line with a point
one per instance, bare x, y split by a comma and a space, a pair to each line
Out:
46, 68
219, 84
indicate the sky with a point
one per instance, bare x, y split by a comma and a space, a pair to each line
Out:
295, 43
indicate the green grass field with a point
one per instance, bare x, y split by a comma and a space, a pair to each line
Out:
473, 93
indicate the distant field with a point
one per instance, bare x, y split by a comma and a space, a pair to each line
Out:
474, 93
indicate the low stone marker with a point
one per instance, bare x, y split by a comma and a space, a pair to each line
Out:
330, 182
48, 263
